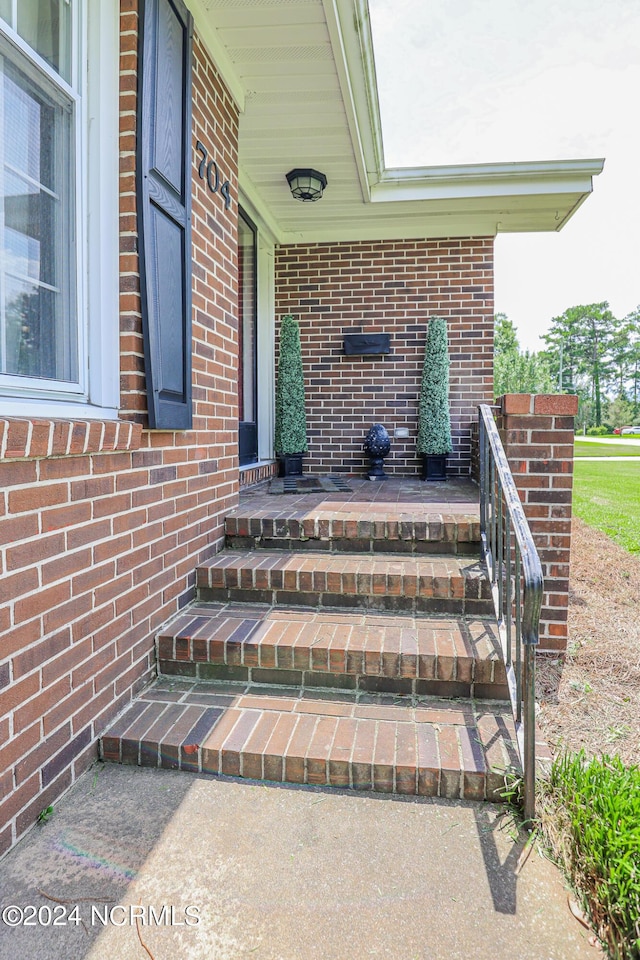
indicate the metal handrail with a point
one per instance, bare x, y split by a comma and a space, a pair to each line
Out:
515, 572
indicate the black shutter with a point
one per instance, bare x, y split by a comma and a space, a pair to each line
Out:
164, 208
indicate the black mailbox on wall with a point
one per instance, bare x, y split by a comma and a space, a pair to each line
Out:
359, 344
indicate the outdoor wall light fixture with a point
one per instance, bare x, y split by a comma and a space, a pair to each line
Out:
305, 184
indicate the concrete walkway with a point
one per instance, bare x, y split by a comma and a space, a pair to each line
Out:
278, 873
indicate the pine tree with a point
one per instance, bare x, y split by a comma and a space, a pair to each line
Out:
584, 338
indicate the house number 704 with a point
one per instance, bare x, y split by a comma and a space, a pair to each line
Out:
209, 171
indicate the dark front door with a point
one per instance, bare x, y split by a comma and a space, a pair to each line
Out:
247, 336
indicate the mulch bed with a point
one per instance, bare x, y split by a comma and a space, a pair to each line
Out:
592, 701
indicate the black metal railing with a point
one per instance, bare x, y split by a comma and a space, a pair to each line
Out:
514, 568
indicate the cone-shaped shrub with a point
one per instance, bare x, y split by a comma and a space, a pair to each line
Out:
434, 423
291, 420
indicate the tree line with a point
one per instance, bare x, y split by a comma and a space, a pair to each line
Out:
589, 352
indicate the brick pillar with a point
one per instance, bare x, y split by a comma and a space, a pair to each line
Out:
537, 434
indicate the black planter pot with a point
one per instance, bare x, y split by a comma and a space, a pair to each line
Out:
434, 466
290, 464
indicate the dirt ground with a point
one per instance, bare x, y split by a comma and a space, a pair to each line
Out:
592, 701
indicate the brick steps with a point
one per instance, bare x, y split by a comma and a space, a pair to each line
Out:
414, 746
338, 642
375, 531
412, 584
449, 657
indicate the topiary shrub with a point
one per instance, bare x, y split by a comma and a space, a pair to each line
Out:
291, 421
434, 422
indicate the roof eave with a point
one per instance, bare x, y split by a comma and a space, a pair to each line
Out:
543, 177
457, 200
351, 41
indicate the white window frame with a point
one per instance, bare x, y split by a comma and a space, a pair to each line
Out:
95, 90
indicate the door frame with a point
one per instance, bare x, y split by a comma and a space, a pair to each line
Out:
265, 333
248, 429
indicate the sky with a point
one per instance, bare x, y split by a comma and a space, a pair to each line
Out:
481, 81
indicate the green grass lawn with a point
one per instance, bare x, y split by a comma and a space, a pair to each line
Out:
607, 496
597, 806
625, 448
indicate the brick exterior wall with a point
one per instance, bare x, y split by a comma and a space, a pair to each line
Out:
537, 433
389, 287
102, 524
257, 473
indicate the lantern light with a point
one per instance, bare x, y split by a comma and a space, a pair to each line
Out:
306, 185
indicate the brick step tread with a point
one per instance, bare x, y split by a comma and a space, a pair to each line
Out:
426, 746
366, 529
409, 584
406, 654
438, 577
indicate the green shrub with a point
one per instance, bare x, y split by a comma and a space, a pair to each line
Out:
598, 431
593, 815
434, 423
291, 421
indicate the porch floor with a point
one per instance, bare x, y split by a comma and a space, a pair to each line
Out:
399, 515
406, 495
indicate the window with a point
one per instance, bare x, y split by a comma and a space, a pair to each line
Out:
39, 336
58, 204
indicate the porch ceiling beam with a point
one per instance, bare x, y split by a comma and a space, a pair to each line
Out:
479, 216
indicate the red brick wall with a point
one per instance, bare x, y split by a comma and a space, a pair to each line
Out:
387, 287
102, 524
537, 433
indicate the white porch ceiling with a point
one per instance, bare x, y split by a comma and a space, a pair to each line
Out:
302, 72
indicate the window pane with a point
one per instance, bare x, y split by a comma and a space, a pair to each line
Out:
45, 25
5, 10
30, 323
39, 329
29, 219
29, 124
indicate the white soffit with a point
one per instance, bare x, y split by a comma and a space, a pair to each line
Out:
303, 75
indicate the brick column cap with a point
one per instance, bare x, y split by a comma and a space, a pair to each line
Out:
557, 404
550, 404
515, 403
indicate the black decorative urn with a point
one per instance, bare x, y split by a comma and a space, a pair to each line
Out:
377, 445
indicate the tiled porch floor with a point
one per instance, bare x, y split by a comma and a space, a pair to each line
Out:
403, 495
395, 515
